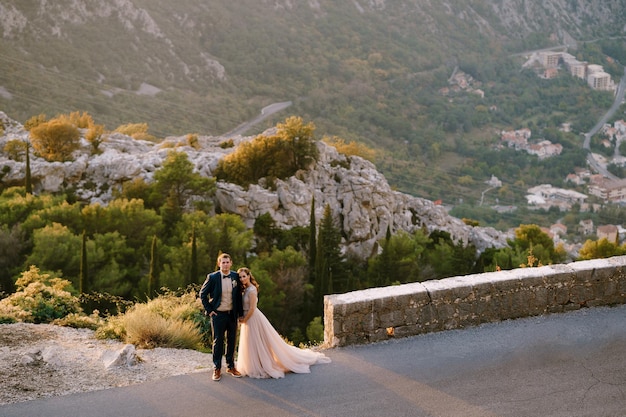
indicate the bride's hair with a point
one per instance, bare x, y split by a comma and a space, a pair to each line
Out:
249, 273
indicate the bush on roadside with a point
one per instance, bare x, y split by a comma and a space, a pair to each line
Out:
166, 321
39, 298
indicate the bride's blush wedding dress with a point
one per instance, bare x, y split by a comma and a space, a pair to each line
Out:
263, 353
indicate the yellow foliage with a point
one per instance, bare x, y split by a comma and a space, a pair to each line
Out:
465, 180
144, 136
351, 148
163, 322
94, 135
277, 156
80, 120
131, 129
16, 149
35, 121
192, 140
55, 140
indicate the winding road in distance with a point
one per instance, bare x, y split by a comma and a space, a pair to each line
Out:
619, 97
266, 112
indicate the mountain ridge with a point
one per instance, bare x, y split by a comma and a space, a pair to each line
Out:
359, 196
367, 70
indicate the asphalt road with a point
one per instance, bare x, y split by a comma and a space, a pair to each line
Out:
266, 112
570, 364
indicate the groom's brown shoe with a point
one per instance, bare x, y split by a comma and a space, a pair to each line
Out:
234, 372
217, 374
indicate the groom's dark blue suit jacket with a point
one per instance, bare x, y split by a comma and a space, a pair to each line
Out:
211, 293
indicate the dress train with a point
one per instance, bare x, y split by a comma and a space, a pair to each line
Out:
263, 353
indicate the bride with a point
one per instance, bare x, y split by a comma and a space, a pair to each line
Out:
262, 351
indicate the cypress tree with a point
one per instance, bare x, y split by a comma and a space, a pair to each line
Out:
329, 261
152, 280
83, 274
194, 257
29, 184
312, 242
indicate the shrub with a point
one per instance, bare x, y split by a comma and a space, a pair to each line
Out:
315, 330
351, 148
227, 144
15, 149
166, 321
39, 299
137, 131
80, 321
55, 140
81, 120
94, 136
35, 121
192, 140
277, 156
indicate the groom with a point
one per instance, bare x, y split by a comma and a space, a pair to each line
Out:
221, 297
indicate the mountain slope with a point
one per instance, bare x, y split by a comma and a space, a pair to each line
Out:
363, 70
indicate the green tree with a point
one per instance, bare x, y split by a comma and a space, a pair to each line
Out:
288, 271
266, 233
448, 258
209, 232
16, 205
181, 188
12, 242
127, 217
152, 273
302, 149
530, 237
64, 213
312, 242
115, 268
193, 267
56, 250
329, 272
28, 180
84, 268
401, 259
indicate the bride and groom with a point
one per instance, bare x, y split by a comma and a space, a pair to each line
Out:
230, 298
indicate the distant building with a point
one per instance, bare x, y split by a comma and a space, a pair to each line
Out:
593, 74
517, 139
608, 232
609, 190
546, 196
586, 227
494, 182
545, 149
550, 59
558, 230
600, 81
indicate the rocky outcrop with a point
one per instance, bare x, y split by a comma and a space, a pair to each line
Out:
363, 204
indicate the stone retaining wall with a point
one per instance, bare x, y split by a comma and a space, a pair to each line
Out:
378, 314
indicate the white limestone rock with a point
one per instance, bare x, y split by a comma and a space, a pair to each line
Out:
360, 198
